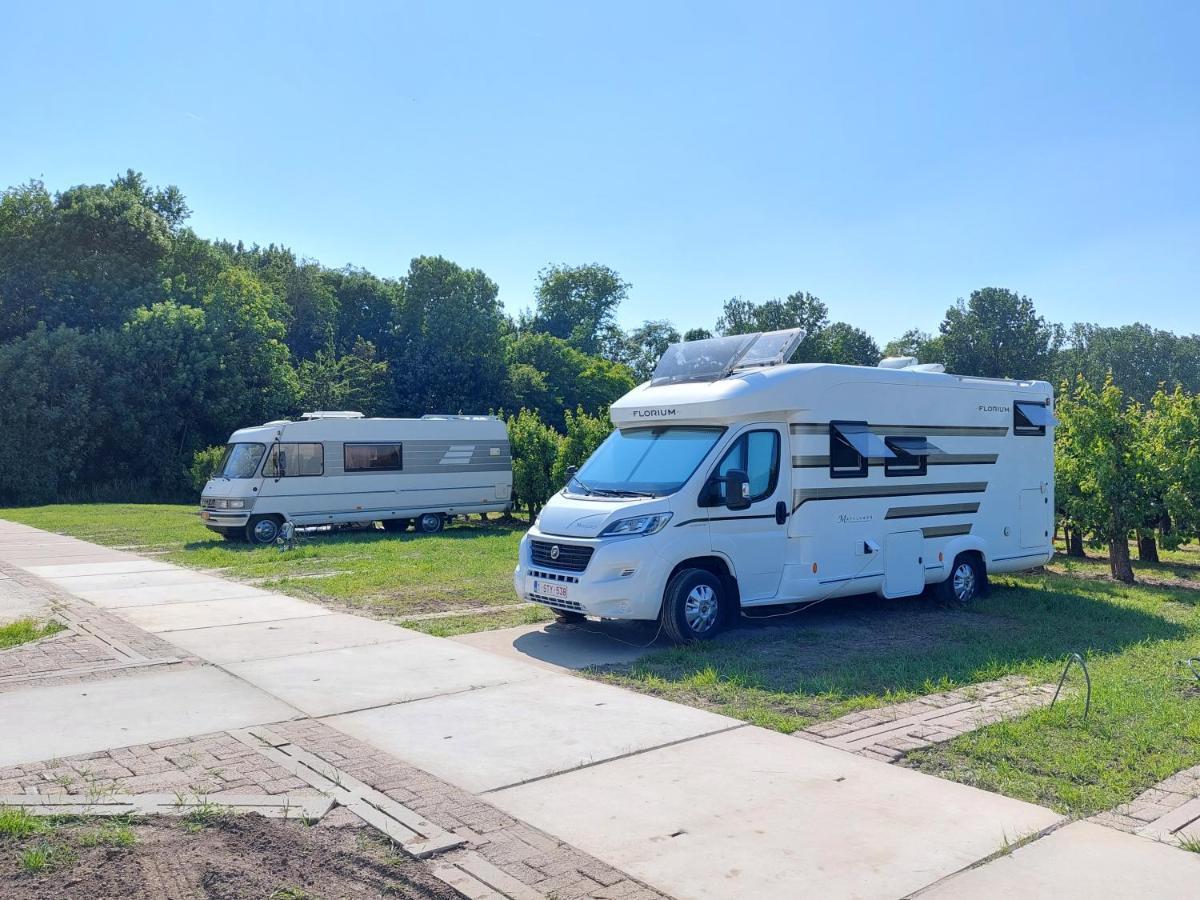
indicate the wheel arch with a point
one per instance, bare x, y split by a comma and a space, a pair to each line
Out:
715, 565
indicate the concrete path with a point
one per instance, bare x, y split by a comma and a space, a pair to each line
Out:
566, 648
695, 804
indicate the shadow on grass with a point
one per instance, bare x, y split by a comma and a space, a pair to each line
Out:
464, 531
869, 646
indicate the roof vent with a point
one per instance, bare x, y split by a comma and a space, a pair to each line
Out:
898, 362
332, 414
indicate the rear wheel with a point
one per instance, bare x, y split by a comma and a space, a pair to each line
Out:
695, 606
263, 529
397, 524
965, 583
430, 523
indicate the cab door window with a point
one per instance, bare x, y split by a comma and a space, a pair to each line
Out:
757, 454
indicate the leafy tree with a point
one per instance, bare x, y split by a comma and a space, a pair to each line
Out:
204, 464
579, 305
697, 334
366, 307
534, 447
916, 343
798, 310
1102, 462
583, 435
1139, 357
1171, 445
997, 333
646, 344
355, 380
845, 344
548, 375
447, 355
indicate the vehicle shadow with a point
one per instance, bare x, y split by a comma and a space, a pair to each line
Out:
867, 645
315, 537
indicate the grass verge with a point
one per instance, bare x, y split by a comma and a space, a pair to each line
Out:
22, 631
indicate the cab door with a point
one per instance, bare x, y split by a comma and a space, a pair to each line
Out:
754, 540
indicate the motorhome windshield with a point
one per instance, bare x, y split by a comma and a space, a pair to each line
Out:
240, 460
644, 461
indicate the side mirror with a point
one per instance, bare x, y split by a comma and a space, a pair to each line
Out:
737, 490
571, 470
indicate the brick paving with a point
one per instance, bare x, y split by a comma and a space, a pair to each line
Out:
890, 732
1155, 811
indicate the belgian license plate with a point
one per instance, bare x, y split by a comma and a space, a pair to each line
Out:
550, 589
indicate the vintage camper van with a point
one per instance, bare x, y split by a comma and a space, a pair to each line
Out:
333, 468
733, 480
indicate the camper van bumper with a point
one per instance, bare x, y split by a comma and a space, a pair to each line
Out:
218, 520
621, 580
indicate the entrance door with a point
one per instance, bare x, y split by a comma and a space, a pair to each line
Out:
903, 565
754, 539
1035, 518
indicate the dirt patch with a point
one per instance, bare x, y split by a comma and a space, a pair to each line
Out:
226, 858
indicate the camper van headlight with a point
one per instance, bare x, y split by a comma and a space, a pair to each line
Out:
237, 504
637, 525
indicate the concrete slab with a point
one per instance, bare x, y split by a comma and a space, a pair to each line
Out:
1082, 861
357, 678
267, 640
168, 617
754, 813
112, 581
62, 720
153, 595
563, 648
486, 739
116, 567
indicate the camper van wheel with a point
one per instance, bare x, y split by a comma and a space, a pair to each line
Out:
430, 523
262, 529
397, 524
694, 606
965, 582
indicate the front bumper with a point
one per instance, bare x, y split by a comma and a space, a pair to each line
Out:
213, 518
624, 578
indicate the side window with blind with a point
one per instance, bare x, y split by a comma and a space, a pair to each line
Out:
757, 454
1031, 419
847, 453
294, 460
374, 457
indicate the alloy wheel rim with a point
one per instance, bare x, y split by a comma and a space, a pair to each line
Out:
265, 530
964, 582
428, 522
700, 608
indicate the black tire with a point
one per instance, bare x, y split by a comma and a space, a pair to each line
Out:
430, 523
695, 606
966, 582
258, 532
569, 618
396, 525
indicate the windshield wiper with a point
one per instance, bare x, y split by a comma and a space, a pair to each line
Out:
624, 493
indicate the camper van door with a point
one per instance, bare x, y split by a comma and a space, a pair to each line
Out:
753, 539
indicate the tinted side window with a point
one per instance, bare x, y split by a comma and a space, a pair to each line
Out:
757, 454
844, 460
374, 457
904, 462
298, 459
1029, 419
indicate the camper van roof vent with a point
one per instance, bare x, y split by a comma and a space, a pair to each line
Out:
715, 358
898, 362
332, 414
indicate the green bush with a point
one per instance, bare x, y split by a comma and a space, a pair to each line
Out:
204, 463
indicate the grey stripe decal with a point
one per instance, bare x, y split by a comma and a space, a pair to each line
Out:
936, 531
911, 430
802, 496
942, 509
937, 459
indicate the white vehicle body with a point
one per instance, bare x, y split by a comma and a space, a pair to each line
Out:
340, 468
824, 519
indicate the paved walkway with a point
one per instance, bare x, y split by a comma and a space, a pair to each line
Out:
551, 785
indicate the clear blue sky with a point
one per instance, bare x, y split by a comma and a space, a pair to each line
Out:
887, 157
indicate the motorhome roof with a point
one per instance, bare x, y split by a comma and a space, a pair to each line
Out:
324, 426
785, 389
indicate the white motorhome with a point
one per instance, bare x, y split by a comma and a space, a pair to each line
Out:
733, 480
333, 468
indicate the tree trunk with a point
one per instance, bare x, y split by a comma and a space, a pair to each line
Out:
1147, 547
1075, 542
1118, 560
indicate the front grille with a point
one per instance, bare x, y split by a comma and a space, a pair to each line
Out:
553, 576
208, 502
572, 557
555, 603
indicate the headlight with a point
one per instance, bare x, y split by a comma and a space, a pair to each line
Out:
237, 504
637, 525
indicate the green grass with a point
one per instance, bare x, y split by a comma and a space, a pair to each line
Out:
24, 630
115, 833
45, 856
17, 822
469, 565
864, 652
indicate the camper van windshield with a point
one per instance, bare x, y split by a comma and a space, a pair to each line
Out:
240, 460
651, 461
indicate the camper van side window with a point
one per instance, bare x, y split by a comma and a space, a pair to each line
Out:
757, 454
844, 460
374, 457
1029, 419
296, 459
904, 462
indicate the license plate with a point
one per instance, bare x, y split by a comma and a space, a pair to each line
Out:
550, 589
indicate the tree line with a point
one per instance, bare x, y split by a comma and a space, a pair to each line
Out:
130, 345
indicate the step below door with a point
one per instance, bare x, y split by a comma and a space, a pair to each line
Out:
904, 567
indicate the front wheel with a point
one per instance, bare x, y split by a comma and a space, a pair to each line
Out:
430, 523
695, 606
965, 583
263, 529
